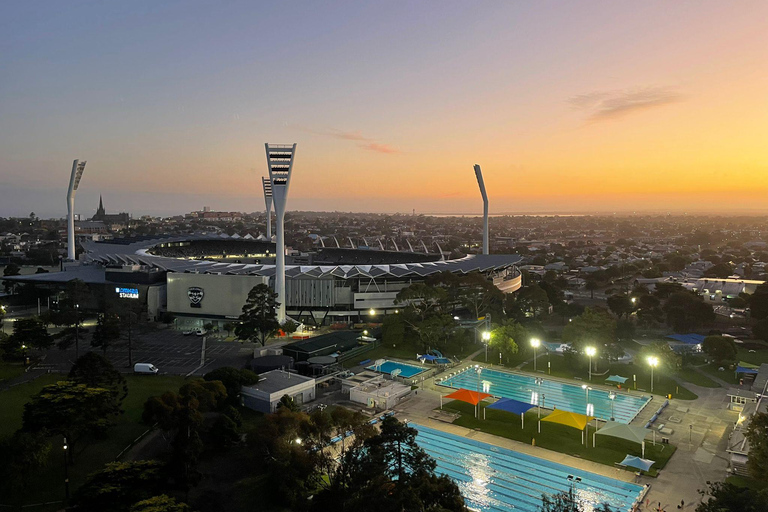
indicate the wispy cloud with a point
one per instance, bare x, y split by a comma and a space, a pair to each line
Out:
379, 148
366, 143
606, 105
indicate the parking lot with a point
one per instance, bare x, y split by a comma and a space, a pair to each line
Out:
169, 350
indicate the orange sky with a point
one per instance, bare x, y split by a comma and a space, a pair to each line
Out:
594, 106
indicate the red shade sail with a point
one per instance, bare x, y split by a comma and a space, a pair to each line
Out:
465, 395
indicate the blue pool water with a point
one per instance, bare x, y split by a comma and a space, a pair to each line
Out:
406, 370
568, 397
496, 479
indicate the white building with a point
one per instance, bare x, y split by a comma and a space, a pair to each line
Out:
265, 395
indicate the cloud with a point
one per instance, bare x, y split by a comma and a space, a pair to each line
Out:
606, 105
356, 136
379, 148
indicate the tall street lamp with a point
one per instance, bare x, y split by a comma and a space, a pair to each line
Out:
654, 362
486, 339
66, 470
539, 382
535, 342
590, 352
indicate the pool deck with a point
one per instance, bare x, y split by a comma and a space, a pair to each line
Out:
703, 459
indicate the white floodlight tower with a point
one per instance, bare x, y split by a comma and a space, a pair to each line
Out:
280, 163
479, 175
74, 181
267, 184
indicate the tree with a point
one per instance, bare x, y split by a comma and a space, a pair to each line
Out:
287, 402
162, 503
393, 330
107, 331
760, 330
27, 333
726, 497
593, 327
69, 314
258, 320
95, 371
70, 409
591, 285
390, 472
508, 338
758, 302
533, 300
620, 305
11, 269
232, 379
719, 270
224, 432
669, 361
421, 300
757, 435
719, 348
686, 311
119, 485
24, 455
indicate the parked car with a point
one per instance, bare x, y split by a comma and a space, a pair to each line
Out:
200, 332
145, 368
187, 333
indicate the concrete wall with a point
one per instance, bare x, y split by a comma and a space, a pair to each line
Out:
223, 296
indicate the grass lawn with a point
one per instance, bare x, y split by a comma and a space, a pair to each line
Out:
743, 481
10, 370
558, 438
694, 377
663, 385
90, 454
408, 350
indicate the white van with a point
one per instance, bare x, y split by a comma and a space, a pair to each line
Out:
147, 368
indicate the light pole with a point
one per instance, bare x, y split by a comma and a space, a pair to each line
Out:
77, 332
590, 352
66, 470
653, 361
477, 406
535, 342
539, 382
486, 339
612, 397
24, 353
586, 388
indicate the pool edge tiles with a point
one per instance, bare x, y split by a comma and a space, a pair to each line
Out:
492, 478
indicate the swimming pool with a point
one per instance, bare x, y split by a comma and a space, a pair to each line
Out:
568, 397
406, 370
496, 479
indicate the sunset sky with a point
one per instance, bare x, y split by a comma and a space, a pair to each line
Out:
567, 106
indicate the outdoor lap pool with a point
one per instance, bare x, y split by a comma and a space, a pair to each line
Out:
569, 397
406, 370
497, 479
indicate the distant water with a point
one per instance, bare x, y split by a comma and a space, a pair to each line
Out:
506, 214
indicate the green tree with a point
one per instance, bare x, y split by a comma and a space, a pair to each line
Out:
29, 333
421, 300
24, 455
10, 269
757, 435
758, 302
70, 409
533, 300
594, 327
760, 330
162, 503
119, 485
719, 348
686, 311
726, 497
232, 379
95, 371
591, 285
287, 402
224, 432
258, 320
719, 270
508, 338
669, 361
70, 314
393, 330
620, 305
107, 331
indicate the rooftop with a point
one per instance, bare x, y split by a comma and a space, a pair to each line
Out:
277, 380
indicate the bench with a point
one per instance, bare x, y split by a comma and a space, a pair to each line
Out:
364, 362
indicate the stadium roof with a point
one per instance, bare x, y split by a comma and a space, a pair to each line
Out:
135, 252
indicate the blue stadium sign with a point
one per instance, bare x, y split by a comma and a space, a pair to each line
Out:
127, 293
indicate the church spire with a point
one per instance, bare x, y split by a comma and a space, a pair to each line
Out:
100, 212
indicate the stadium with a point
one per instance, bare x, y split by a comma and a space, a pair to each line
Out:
205, 278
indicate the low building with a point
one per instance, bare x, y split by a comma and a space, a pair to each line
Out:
379, 393
265, 395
